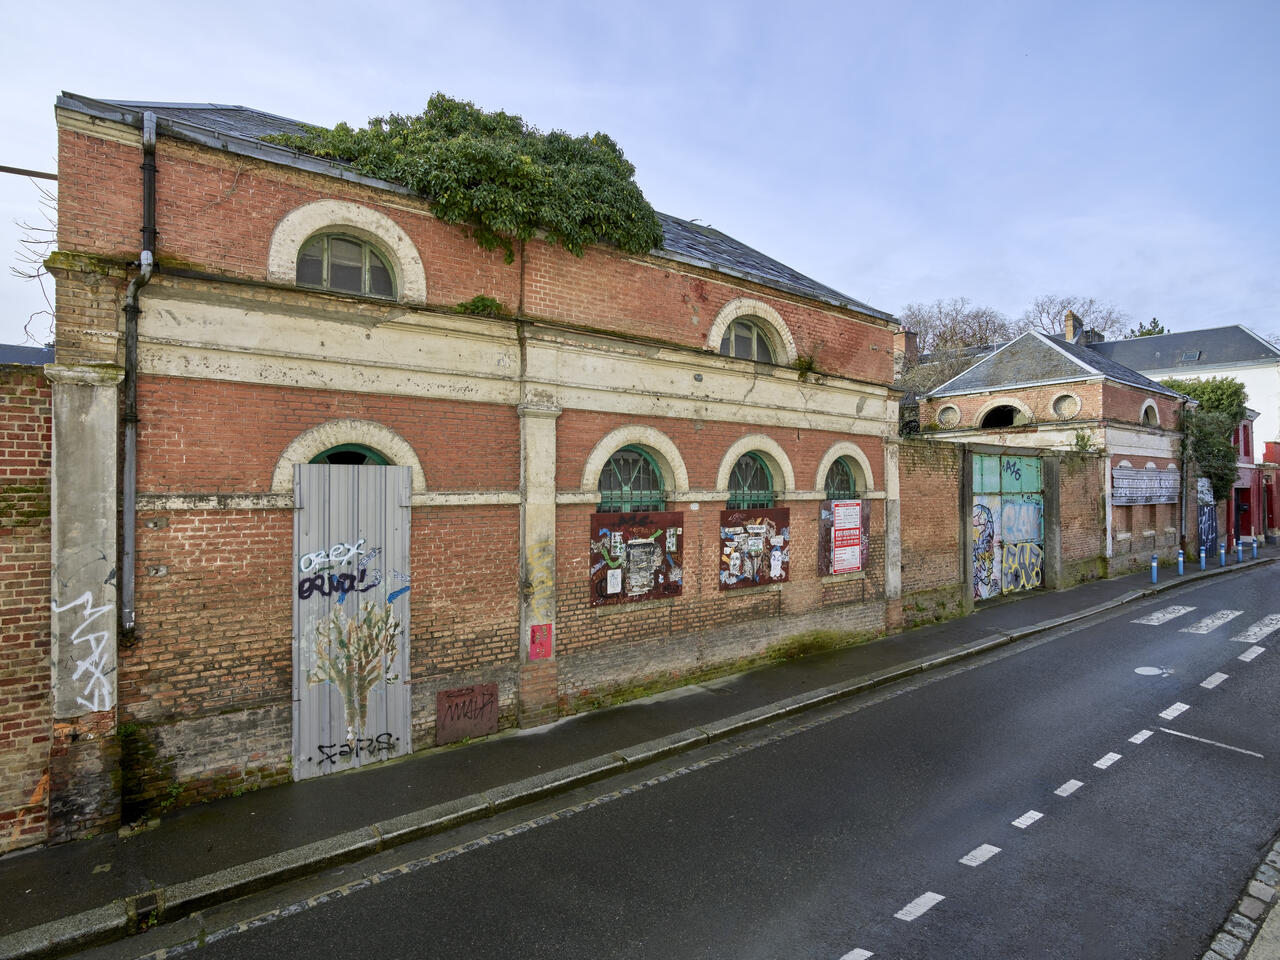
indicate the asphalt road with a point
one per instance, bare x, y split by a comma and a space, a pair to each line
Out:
936, 819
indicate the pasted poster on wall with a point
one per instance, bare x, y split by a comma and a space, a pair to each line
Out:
636, 556
1206, 516
755, 547
1130, 485
842, 537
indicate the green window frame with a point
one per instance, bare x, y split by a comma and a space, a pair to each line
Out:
750, 484
343, 264
631, 482
841, 483
351, 453
746, 340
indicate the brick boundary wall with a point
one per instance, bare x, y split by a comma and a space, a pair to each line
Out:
929, 478
26, 715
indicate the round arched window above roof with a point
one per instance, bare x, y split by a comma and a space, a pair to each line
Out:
345, 265
1066, 406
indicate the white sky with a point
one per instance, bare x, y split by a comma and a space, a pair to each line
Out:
898, 152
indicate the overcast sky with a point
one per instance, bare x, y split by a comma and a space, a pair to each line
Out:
899, 152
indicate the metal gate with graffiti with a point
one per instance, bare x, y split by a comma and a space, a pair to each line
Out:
1008, 525
350, 616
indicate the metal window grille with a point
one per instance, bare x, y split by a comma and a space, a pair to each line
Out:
841, 484
351, 453
750, 485
630, 483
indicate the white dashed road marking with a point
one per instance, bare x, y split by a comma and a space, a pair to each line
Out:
1163, 616
1140, 736
979, 855
1212, 743
919, 906
1263, 628
1251, 653
1106, 761
858, 955
1027, 819
1210, 682
1213, 621
1068, 788
1173, 711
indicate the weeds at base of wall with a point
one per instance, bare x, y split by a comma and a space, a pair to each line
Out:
793, 647
932, 606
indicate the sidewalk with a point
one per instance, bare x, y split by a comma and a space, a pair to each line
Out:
68, 897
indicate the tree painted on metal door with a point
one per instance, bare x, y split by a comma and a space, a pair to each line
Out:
351, 613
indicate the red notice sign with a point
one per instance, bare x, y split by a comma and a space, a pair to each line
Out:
540, 641
846, 536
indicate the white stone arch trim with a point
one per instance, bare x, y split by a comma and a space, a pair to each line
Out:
1003, 402
774, 326
1149, 404
770, 451
675, 476
342, 216
310, 443
847, 450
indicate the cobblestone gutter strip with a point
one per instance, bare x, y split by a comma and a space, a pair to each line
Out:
1238, 938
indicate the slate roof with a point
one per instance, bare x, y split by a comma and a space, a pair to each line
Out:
239, 130
1190, 349
12, 353
1034, 359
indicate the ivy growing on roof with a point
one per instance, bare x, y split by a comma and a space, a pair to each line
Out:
498, 175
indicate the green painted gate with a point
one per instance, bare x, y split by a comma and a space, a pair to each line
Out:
1008, 525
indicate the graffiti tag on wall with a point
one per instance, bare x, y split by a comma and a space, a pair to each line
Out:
95, 662
466, 712
986, 576
1022, 568
636, 556
755, 547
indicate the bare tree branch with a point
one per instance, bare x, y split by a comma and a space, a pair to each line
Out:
35, 245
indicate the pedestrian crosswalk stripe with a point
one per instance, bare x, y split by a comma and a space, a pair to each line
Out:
1163, 616
1213, 621
1263, 628
919, 906
1251, 653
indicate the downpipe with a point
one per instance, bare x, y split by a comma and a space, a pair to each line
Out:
129, 480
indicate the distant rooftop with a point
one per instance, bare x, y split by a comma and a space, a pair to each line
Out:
15, 354
240, 130
1214, 347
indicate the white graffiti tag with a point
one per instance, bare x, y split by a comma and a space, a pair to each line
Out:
96, 690
337, 555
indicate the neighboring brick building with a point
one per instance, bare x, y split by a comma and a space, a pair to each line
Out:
1055, 393
627, 475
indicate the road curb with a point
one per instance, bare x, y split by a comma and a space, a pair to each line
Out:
139, 912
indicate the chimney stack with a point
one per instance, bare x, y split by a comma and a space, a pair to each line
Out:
905, 352
1070, 326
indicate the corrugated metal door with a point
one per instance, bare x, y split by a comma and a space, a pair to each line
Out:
350, 616
1008, 525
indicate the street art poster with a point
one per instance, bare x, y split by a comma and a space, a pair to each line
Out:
755, 547
1206, 516
986, 575
1130, 485
636, 556
842, 537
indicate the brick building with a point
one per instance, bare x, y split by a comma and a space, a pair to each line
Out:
357, 519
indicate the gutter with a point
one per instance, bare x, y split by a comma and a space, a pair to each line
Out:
129, 481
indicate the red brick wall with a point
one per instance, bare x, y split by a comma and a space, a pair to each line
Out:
932, 524
1082, 516
216, 214
25, 712
209, 436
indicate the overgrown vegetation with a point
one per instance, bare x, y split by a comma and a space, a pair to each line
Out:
481, 306
1207, 428
498, 175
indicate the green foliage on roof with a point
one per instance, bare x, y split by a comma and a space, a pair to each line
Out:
1208, 427
498, 175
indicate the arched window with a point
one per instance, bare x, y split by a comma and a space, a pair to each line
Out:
1004, 416
351, 453
841, 483
750, 485
631, 482
746, 340
344, 264
1150, 415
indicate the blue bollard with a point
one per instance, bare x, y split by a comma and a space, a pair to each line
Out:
1255, 547
1179, 563
1155, 562
1239, 551
1222, 554
1202, 557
